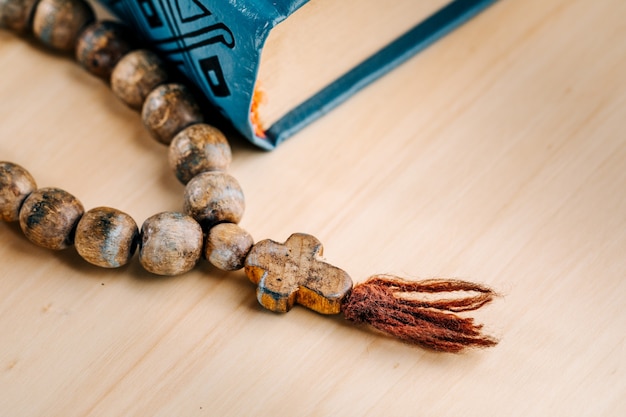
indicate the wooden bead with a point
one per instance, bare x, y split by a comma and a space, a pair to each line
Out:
214, 197
227, 246
106, 237
101, 45
168, 109
48, 217
16, 14
196, 149
171, 243
15, 185
294, 272
136, 75
57, 23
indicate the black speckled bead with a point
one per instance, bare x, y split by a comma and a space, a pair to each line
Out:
101, 45
17, 14
15, 185
48, 217
168, 109
106, 237
196, 149
57, 23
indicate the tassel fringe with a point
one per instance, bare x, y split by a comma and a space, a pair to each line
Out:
389, 304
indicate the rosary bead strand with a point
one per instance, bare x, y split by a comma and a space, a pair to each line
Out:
169, 243
172, 243
107, 237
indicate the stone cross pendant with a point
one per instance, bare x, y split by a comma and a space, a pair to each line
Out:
293, 272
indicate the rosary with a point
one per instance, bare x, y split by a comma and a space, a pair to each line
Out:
172, 243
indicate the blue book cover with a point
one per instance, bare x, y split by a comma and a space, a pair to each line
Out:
217, 44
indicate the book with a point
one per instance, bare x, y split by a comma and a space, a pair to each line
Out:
273, 67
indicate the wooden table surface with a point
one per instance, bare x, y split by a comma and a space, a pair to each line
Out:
498, 156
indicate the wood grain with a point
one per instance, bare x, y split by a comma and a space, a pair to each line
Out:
495, 156
295, 272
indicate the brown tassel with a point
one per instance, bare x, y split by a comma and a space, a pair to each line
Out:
388, 304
